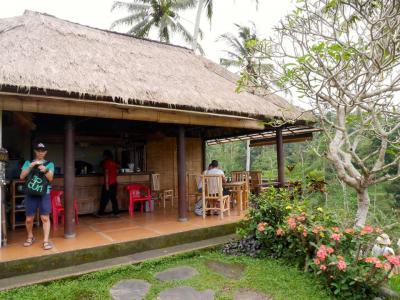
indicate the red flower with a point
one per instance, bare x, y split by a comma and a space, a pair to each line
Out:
387, 266
322, 252
323, 267
301, 218
372, 260
394, 260
379, 265
317, 261
305, 233
336, 236
292, 223
367, 229
280, 232
330, 250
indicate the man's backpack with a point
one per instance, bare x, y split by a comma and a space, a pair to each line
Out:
36, 183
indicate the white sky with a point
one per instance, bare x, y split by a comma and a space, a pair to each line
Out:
96, 13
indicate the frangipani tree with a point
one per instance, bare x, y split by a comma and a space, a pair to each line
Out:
343, 56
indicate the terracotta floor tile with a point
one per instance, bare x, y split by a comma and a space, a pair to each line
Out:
172, 227
122, 224
83, 240
130, 234
18, 251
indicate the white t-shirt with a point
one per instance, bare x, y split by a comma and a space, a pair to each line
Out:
213, 185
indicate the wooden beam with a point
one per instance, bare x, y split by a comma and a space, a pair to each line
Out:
69, 179
182, 201
286, 139
112, 110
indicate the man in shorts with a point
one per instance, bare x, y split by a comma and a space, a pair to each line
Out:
43, 203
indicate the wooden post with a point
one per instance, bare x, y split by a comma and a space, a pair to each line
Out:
69, 178
182, 203
280, 157
203, 154
248, 155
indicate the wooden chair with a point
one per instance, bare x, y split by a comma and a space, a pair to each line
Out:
193, 193
213, 197
243, 176
255, 180
168, 195
155, 188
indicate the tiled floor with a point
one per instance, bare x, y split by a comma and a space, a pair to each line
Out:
93, 232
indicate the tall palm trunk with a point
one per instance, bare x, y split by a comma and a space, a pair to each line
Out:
197, 24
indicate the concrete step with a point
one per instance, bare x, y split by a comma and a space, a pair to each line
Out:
72, 271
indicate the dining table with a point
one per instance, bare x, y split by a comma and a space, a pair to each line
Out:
239, 189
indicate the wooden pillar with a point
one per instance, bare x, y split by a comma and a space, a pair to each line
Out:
203, 154
280, 157
182, 203
69, 178
248, 156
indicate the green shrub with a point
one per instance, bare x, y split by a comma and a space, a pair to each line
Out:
314, 240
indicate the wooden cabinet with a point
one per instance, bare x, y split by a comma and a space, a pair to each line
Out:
88, 190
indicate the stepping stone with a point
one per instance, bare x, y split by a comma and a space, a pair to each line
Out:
177, 273
232, 271
248, 294
131, 289
185, 293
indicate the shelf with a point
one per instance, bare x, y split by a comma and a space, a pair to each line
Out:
19, 196
19, 210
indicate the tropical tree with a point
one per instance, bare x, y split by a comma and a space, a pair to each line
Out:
162, 15
344, 57
209, 6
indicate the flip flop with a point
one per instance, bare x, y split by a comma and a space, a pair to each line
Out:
47, 246
29, 241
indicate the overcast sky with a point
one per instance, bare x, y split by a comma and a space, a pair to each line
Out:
96, 13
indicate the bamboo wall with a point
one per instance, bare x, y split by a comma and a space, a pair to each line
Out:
162, 159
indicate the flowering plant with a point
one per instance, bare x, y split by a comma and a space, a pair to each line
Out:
315, 241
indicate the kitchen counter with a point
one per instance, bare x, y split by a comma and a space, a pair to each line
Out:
88, 189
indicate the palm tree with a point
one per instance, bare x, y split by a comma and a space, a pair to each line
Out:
162, 15
243, 54
209, 5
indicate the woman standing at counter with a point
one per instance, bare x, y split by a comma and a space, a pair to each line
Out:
109, 191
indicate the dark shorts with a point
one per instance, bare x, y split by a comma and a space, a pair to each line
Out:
32, 203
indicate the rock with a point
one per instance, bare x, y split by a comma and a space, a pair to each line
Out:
248, 294
185, 293
232, 271
387, 292
130, 289
177, 273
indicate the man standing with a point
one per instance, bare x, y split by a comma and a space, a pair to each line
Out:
109, 191
39, 173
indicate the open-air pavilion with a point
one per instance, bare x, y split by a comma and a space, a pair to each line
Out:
81, 90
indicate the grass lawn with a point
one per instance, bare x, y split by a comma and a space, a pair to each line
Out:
267, 276
394, 283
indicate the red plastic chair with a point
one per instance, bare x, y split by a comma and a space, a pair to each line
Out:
138, 193
57, 207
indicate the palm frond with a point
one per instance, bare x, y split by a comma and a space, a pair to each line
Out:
129, 20
129, 6
183, 4
142, 28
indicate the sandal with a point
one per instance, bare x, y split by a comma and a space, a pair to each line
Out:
47, 246
29, 241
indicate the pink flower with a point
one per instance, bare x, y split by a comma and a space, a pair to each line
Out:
292, 223
280, 232
336, 236
323, 267
367, 229
372, 260
379, 265
322, 252
330, 250
305, 233
317, 261
261, 227
394, 260
387, 266
341, 265
301, 218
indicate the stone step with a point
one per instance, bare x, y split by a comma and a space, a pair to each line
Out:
72, 271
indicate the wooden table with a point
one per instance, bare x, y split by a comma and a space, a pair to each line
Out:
238, 188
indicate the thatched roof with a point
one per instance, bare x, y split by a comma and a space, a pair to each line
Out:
46, 55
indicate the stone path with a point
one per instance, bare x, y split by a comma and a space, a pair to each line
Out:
131, 289
249, 294
232, 271
185, 293
177, 273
